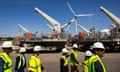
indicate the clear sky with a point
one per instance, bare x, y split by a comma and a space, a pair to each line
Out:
14, 12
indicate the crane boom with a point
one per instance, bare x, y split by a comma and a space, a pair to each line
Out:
23, 28
114, 18
84, 29
52, 21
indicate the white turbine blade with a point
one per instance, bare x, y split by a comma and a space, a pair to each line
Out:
50, 27
71, 9
76, 27
67, 28
85, 15
68, 23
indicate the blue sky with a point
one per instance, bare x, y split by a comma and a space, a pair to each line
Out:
14, 12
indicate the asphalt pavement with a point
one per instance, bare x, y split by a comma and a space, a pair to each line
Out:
51, 61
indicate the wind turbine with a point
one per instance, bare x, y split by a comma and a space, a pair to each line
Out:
77, 15
55, 25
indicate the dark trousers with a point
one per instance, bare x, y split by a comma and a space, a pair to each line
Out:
74, 69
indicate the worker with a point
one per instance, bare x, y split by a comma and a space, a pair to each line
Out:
95, 63
20, 61
73, 59
5, 59
84, 65
35, 64
64, 60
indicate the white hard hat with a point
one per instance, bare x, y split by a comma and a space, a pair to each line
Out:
7, 44
75, 46
37, 48
88, 53
98, 45
64, 50
22, 49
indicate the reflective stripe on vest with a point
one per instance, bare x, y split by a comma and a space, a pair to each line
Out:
72, 62
91, 67
65, 60
104, 69
8, 62
19, 63
92, 60
85, 65
34, 64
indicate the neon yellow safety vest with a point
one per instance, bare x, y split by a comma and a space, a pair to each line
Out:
104, 69
8, 62
72, 62
65, 59
92, 60
85, 65
34, 64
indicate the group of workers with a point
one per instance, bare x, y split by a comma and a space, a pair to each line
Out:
6, 64
73, 59
92, 62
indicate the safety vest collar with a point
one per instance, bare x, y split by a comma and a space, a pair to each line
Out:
101, 62
93, 59
8, 62
65, 59
34, 64
75, 54
72, 62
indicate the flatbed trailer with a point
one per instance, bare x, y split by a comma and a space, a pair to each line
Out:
57, 43
110, 44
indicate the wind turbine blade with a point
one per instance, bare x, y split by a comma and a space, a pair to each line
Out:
85, 15
76, 27
68, 23
50, 27
67, 28
71, 9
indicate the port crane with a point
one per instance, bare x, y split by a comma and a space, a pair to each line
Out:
26, 33
55, 25
84, 29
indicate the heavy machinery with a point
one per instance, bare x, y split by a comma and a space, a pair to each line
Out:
29, 40
109, 37
26, 33
85, 30
55, 25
